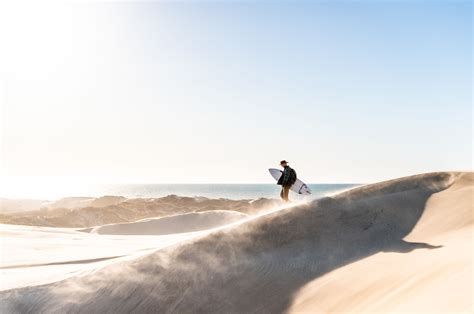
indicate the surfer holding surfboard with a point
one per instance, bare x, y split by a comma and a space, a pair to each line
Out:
288, 181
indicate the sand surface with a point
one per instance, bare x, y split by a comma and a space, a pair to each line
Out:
39, 255
401, 245
76, 212
434, 280
188, 222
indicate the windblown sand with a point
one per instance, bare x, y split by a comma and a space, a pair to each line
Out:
75, 212
401, 245
181, 223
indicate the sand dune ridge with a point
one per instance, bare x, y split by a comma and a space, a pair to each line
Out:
273, 264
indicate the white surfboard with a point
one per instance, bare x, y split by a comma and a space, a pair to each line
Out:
299, 187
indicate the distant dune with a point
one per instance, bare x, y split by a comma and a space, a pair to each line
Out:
82, 202
19, 205
181, 223
400, 245
77, 212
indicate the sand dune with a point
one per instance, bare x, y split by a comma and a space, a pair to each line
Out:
172, 224
77, 212
82, 202
398, 245
19, 205
39, 255
438, 280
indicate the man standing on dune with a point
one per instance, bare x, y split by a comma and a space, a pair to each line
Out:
287, 179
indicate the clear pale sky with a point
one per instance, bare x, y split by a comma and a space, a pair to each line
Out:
219, 92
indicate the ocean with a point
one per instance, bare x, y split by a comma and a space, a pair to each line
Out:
229, 191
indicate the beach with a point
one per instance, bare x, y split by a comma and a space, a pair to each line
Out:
394, 246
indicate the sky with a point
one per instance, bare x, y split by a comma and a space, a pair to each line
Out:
201, 92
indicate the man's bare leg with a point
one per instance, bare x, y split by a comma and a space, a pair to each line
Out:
285, 191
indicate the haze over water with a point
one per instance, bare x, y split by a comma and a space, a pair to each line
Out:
230, 191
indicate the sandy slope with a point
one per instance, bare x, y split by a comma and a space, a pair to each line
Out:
188, 222
424, 280
405, 244
38, 255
